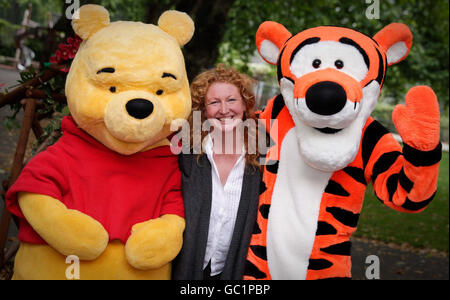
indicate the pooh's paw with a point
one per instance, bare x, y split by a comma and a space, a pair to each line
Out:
418, 121
68, 231
154, 243
86, 238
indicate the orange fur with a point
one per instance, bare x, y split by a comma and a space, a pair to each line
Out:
402, 181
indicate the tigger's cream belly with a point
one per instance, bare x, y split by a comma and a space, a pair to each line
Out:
293, 212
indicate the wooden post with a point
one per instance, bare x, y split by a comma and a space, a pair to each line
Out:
30, 109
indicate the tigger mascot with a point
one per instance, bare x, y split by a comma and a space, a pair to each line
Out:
327, 148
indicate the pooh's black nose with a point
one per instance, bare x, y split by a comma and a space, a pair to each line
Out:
326, 98
139, 108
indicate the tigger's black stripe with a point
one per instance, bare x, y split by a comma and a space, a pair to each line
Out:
344, 216
285, 43
338, 249
351, 42
259, 251
324, 228
404, 181
267, 141
256, 229
420, 158
252, 270
279, 71
301, 45
264, 210
278, 105
384, 163
356, 173
336, 189
372, 135
374, 41
262, 187
381, 74
415, 206
319, 264
391, 185
272, 166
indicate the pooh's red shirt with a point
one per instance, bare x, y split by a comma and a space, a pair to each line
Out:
116, 190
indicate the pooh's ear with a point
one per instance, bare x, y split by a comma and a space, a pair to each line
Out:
396, 40
90, 19
270, 37
177, 24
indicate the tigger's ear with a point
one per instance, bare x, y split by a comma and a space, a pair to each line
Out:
396, 40
270, 37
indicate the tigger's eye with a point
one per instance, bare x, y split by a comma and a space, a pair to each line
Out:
316, 63
339, 64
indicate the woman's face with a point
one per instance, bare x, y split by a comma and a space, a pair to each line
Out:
224, 105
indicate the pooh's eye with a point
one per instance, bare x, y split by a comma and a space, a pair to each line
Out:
159, 92
112, 89
316, 63
169, 75
106, 70
339, 64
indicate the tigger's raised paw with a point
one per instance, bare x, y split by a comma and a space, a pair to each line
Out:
418, 120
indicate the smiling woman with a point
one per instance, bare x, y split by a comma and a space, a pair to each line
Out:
217, 93
220, 213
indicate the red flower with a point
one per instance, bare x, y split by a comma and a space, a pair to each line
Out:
58, 54
54, 60
66, 51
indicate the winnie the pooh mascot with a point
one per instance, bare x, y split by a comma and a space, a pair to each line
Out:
107, 195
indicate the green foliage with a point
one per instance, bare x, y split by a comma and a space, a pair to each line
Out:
130, 10
40, 8
383, 114
11, 16
427, 19
47, 107
10, 121
7, 31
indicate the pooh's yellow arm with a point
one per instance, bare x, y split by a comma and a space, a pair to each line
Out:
68, 231
156, 242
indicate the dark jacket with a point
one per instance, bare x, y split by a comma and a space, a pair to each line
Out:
197, 193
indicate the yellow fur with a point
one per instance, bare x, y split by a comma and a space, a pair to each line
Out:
144, 53
140, 55
68, 231
155, 242
177, 24
89, 20
50, 264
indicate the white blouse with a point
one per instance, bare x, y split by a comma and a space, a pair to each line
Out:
224, 207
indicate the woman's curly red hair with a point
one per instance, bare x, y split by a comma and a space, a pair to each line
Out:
245, 84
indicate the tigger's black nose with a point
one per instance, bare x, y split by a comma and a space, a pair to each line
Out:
139, 108
326, 98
